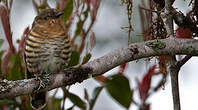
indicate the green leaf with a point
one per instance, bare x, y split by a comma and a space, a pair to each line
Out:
80, 23
1, 53
12, 104
86, 58
79, 27
8, 101
77, 100
15, 72
75, 57
42, 7
57, 103
118, 87
1, 42
96, 93
86, 12
68, 9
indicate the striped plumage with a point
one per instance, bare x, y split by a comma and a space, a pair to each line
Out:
46, 55
47, 49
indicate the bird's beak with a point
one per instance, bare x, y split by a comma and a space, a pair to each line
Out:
59, 14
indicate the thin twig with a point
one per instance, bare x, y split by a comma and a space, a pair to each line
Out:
146, 9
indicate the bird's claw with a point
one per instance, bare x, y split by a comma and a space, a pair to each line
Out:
43, 82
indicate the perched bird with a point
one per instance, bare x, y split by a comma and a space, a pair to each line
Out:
46, 51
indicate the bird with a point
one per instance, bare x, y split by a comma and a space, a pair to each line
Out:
47, 50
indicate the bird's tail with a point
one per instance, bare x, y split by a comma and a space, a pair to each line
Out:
38, 100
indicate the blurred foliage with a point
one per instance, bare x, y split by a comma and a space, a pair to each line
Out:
77, 101
12, 64
118, 87
95, 95
82, 15
75, 57
13, 67
86, 58
68, 9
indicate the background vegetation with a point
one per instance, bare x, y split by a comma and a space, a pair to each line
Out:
80, 17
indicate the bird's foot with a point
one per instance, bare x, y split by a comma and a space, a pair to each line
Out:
43, 81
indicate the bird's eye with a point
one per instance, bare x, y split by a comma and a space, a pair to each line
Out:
57, 15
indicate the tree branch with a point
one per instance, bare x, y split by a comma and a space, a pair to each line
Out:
169, 46
167, 17
174, 72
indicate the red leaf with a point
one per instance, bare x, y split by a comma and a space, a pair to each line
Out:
86, 95
183, 33
62, 3
92, 41
122, 68
5, 61
145, 107
95, 4
88, 1
100, 78
10, 3
36, 6
6, 26
24, 100
4, 107
22, 41
144, 86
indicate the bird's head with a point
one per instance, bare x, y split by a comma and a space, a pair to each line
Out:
48, 22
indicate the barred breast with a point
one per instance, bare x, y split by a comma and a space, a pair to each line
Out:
46, 55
